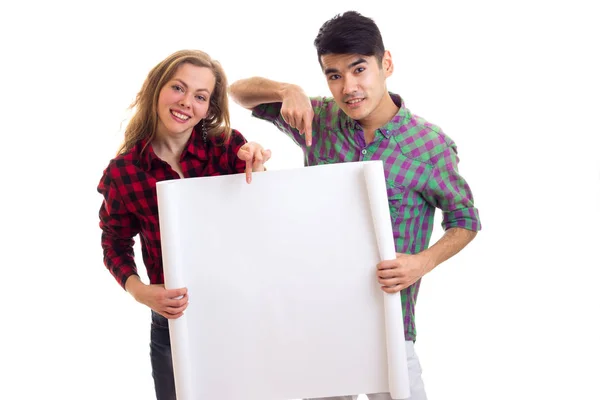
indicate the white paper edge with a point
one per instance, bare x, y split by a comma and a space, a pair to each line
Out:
394, 324
180, 345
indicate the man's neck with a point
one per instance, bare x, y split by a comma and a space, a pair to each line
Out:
384, 112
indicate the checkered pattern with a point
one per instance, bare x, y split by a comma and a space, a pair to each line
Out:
130, 205
420, 164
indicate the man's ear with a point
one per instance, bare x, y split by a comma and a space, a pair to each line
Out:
387, 64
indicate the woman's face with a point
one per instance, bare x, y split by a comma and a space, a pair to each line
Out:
184, 100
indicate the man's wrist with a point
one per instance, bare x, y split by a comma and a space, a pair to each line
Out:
287, 89
427, 261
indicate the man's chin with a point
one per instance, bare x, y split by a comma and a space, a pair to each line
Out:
354, 113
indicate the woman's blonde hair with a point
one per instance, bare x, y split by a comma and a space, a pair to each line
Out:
144, 122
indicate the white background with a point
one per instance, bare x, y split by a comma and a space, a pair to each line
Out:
514, 83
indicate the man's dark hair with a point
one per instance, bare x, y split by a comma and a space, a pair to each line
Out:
350, 33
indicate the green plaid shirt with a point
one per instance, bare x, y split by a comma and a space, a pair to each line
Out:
420, 164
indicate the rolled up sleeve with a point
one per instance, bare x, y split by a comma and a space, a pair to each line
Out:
447, 190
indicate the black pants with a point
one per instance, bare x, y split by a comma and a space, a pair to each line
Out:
160, 356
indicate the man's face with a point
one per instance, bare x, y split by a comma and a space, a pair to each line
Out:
357, 82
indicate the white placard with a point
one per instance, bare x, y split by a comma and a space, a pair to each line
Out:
281, 276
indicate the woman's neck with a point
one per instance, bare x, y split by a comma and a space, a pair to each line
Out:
170, 146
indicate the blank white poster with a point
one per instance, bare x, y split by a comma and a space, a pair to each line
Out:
281, 275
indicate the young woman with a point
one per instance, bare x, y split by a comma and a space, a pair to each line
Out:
180, 129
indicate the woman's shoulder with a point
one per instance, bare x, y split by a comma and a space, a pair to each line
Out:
234, 139
237, 136
123, 164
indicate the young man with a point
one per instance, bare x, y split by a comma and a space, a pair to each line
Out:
363, 121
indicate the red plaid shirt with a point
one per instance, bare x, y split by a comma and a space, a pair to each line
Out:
130, 205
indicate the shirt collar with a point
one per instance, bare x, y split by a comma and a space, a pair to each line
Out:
397, 120
196, 147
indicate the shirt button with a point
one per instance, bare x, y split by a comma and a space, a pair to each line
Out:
364, 151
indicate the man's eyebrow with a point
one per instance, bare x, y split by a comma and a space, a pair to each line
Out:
355, 63
352, 64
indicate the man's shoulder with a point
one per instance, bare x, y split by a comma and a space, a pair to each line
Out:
328, 113
420, 139
325, 104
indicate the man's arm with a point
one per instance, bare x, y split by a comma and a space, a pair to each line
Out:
252, 92
447, 190
296, 108
450, 244
406, 269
